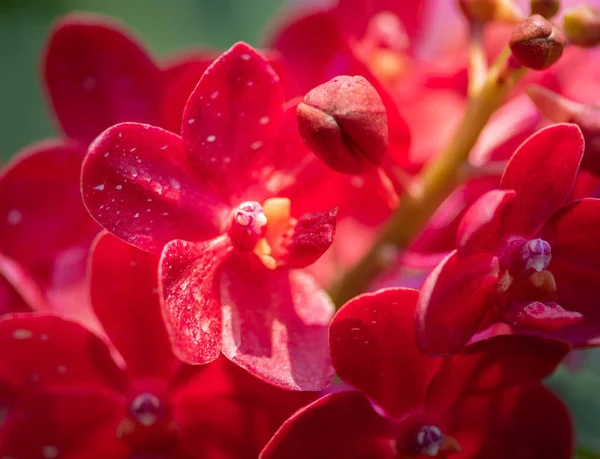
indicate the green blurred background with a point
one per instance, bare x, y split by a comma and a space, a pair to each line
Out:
172, 25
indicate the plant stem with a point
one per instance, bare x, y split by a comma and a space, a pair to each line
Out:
437, 180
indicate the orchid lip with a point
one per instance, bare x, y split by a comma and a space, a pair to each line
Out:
146, 409
535, 255
428, 440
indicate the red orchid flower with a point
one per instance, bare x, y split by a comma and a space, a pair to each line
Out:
95, 75
66, 396
525, 257
485, 402
234, 288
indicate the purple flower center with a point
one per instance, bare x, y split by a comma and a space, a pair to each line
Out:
535, 255
146, 409
248, 225
428, 440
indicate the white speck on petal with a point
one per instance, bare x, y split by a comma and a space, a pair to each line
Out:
175, 183
164, 147
245, 57
120, 134
149, 199
256, 145
22, 333
44, 337
61, 369
106, 154
50, 452
119, 187
99, 187
132, 150
214, 95
136, 215
264, 120
211, 138
14, 217
250, 83
191, 121
165, 213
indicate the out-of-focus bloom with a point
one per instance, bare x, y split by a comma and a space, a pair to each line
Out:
65, 396
492, 11
537, 43
525, 257
582, 26
486, 401
234, 287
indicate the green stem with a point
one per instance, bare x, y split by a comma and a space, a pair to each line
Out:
437, 180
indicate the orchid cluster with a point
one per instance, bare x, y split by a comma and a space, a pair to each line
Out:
372, 238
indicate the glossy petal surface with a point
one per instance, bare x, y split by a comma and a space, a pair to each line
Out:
275, 323
49, 351
124, 291
96, 75
481, 228
190, 297
77, 424
45, 227
454, 301
542, 172
338, 425
521, 422
137, 184
373, 348
232, 119
495, 364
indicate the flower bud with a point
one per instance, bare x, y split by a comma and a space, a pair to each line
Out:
582, 26
546, 8
344, 123
537, 43
487, 11
559, 109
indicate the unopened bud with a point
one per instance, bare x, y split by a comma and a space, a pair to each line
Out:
546, 8
488, 11
562, 110
582, 26
344, 123
536, 43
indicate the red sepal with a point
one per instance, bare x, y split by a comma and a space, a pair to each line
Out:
78, 423
275, 323
48, 351
481, 228
136, 183
124, 292
542, 172
232, 119
454, 301
190, 297
96, 75
373, 349
493, 365
503, 425
338, 425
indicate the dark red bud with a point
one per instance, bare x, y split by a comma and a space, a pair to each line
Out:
344, 122
582, 26
562, 110
537, 43
488, 11
546, 8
